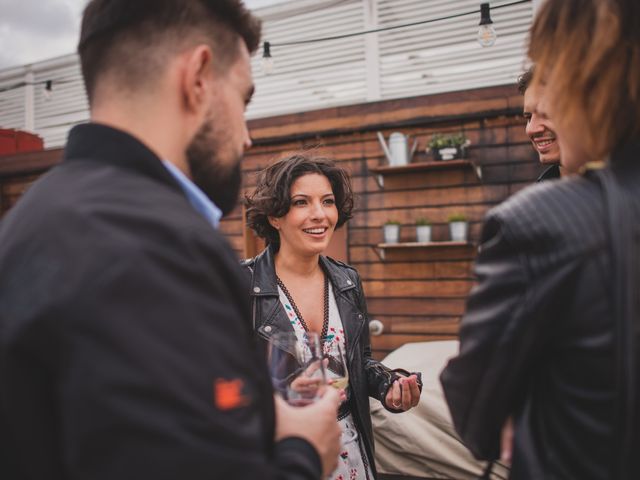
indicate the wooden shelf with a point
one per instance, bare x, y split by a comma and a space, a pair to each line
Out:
380, 248
431, 166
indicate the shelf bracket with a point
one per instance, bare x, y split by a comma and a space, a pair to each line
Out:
478, 170
380, 180
378, 251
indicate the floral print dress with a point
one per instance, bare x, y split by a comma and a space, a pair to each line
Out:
353, 463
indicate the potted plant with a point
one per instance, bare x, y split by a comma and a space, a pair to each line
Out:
423, 230
391, 230
448, 146
458, 227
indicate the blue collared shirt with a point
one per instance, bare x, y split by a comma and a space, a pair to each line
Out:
196, 197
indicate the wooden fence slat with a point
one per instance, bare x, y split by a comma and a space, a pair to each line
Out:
415, 270
387, 343
422, 306
416, 288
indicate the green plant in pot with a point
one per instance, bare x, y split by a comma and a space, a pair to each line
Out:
391, 231
423, 230
448, 146
458, 227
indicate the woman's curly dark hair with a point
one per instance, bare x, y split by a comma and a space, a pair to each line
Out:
272, 196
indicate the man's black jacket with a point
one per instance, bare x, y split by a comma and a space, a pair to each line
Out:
552, 172
126, 349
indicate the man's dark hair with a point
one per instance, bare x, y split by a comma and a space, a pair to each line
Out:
524, 80
132, 39
272, 196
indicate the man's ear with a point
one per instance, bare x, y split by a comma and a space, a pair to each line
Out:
196, 78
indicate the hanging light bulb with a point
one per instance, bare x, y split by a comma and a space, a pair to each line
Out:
267, 59
48, 89
486, 32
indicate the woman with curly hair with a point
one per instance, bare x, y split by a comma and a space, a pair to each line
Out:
298, 203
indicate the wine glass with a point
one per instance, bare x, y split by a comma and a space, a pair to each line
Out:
335, 364
296, 367
337, 373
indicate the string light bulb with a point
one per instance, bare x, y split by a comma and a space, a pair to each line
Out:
486, 33
267, 59
48, 89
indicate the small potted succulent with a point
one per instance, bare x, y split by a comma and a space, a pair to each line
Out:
458, 227
423, 230
391, 230
448, 146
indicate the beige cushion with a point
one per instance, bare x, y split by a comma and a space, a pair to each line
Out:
422, 442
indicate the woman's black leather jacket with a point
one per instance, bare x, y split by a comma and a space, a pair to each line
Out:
367, 377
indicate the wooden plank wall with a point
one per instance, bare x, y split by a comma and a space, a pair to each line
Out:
11, 191
419, 295
19, 170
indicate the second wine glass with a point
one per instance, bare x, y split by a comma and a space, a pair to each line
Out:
335, 363
296, 367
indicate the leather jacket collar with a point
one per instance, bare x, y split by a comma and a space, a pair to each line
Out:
264, 274
549, 173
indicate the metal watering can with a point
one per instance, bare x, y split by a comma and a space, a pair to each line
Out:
397, 152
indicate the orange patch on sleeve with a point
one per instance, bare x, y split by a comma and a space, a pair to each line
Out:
227, 394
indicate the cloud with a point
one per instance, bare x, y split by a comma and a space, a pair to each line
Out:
32, 30
37, 17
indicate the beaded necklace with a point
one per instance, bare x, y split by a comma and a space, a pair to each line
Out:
325, 322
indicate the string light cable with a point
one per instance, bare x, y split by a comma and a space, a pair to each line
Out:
46, 84
486, 34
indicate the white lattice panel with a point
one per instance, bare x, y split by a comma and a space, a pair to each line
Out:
445, 55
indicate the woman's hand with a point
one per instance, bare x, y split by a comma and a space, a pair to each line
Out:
404, 394
308, 382
341, 391
305, 385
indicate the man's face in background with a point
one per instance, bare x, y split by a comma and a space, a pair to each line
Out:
540, 128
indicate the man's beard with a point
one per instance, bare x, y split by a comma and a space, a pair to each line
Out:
218, 182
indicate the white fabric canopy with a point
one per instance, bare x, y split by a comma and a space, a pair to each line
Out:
422, 442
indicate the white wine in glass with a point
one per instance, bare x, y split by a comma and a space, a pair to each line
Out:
340, 383
335, 363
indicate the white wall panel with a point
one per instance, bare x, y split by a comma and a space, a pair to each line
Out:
12, 102
445, 55
316, 75
53, 115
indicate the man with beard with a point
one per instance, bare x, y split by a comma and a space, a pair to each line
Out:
540, 128
126, 347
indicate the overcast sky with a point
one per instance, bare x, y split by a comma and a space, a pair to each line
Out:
34, 30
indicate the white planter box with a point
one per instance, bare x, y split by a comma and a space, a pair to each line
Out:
448, 153
423, 233
458, 231
391, 233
